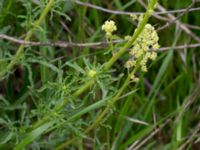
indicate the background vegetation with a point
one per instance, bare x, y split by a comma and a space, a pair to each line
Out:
48, 100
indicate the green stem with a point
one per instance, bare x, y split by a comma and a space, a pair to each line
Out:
20, 50
133, 38
112, 101
109, 40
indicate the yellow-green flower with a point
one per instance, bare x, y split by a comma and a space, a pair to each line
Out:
135, 79
141, 50
91, 73
109, 27
134, 16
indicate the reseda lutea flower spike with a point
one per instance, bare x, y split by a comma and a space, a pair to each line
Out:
143, 48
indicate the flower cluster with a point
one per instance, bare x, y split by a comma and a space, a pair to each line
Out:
138, 18
141, 50
92, 73
109, 27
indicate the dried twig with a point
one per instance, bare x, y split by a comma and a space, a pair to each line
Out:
178, 17
195, 27
63, 44
56, 44
191, 138
181, 25
138, 145
116, 12
189, 101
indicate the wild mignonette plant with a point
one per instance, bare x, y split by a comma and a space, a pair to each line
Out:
60, 105
58, 95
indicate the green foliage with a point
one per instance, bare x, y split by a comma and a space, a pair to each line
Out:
77, 97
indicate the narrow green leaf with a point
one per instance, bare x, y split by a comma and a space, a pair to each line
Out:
33, 135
